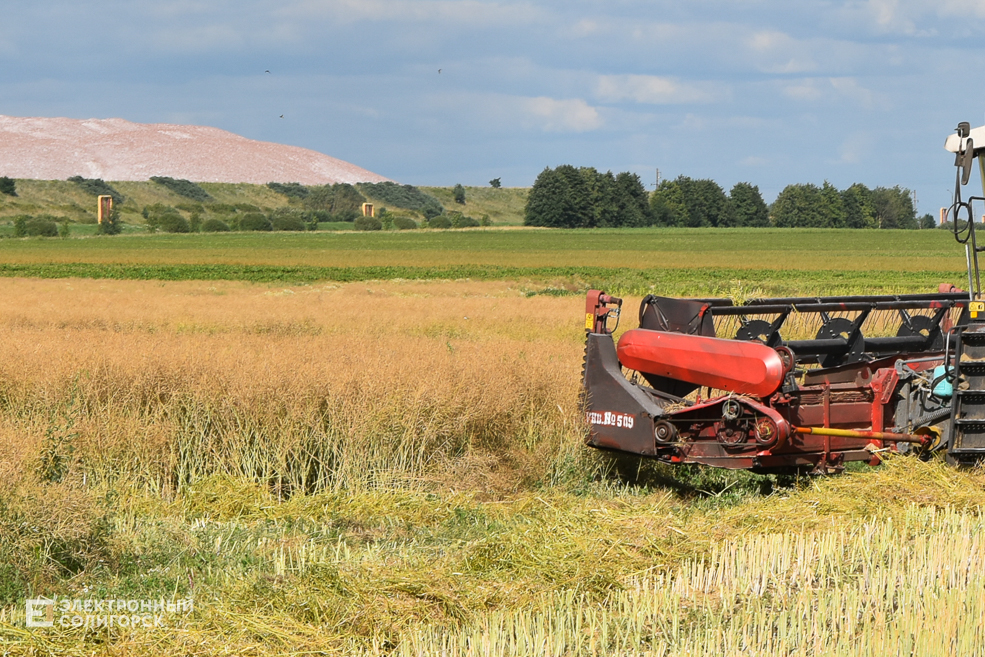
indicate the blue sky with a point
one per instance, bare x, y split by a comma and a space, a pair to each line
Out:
766, 91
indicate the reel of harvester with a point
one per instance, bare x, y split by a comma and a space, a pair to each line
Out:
797, 383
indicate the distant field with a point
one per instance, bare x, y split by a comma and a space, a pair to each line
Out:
667, 261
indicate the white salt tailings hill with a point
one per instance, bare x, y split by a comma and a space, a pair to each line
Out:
114, 149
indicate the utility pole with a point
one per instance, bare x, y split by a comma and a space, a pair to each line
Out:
657, 183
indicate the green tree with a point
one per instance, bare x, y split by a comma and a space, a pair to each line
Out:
857, 203
341, 200
634, 202
495, 183
894, 207
798, 206
111, 224
605, 199
927, 221
667, 206
832, 206
705, 202
748, 206
459, 193
548, 200
581, 182
569, 197
8, 186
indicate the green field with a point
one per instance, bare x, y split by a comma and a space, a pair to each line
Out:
668, 261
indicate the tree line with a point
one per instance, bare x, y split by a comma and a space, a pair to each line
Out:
570, 197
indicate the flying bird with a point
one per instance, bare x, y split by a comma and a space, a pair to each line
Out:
439, 71
281, 116
267, 71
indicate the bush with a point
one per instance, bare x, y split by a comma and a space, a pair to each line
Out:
183, 187
214, 226
368, 223
288, 222
254, 221
111, 224
290, 190
441, 221
336, 199
404, 223
98, 187
459, 193
42, 226
8, 186
495, 183
171, 222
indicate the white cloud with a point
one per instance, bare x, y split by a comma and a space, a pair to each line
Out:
780, 53
914, 17
891, 17
835, 88
958, 7
560, 115
649, 89
504, 114
808, 90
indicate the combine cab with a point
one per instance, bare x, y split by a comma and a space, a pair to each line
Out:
797, 384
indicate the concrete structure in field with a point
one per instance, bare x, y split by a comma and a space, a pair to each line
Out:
368, 210
105, 208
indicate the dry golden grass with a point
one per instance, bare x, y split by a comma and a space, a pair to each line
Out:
304, 388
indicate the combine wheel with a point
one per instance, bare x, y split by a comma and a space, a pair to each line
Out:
766, 432
731, 437
664, 432
787, 358
731, 410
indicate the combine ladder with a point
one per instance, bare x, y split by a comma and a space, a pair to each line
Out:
968, 405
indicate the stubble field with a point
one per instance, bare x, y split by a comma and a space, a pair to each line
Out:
396, 467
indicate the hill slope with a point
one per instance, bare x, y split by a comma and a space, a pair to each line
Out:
114, 149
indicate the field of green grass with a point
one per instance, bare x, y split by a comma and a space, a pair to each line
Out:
639, 261
371, 444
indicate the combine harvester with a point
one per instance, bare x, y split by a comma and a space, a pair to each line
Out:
794, 384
